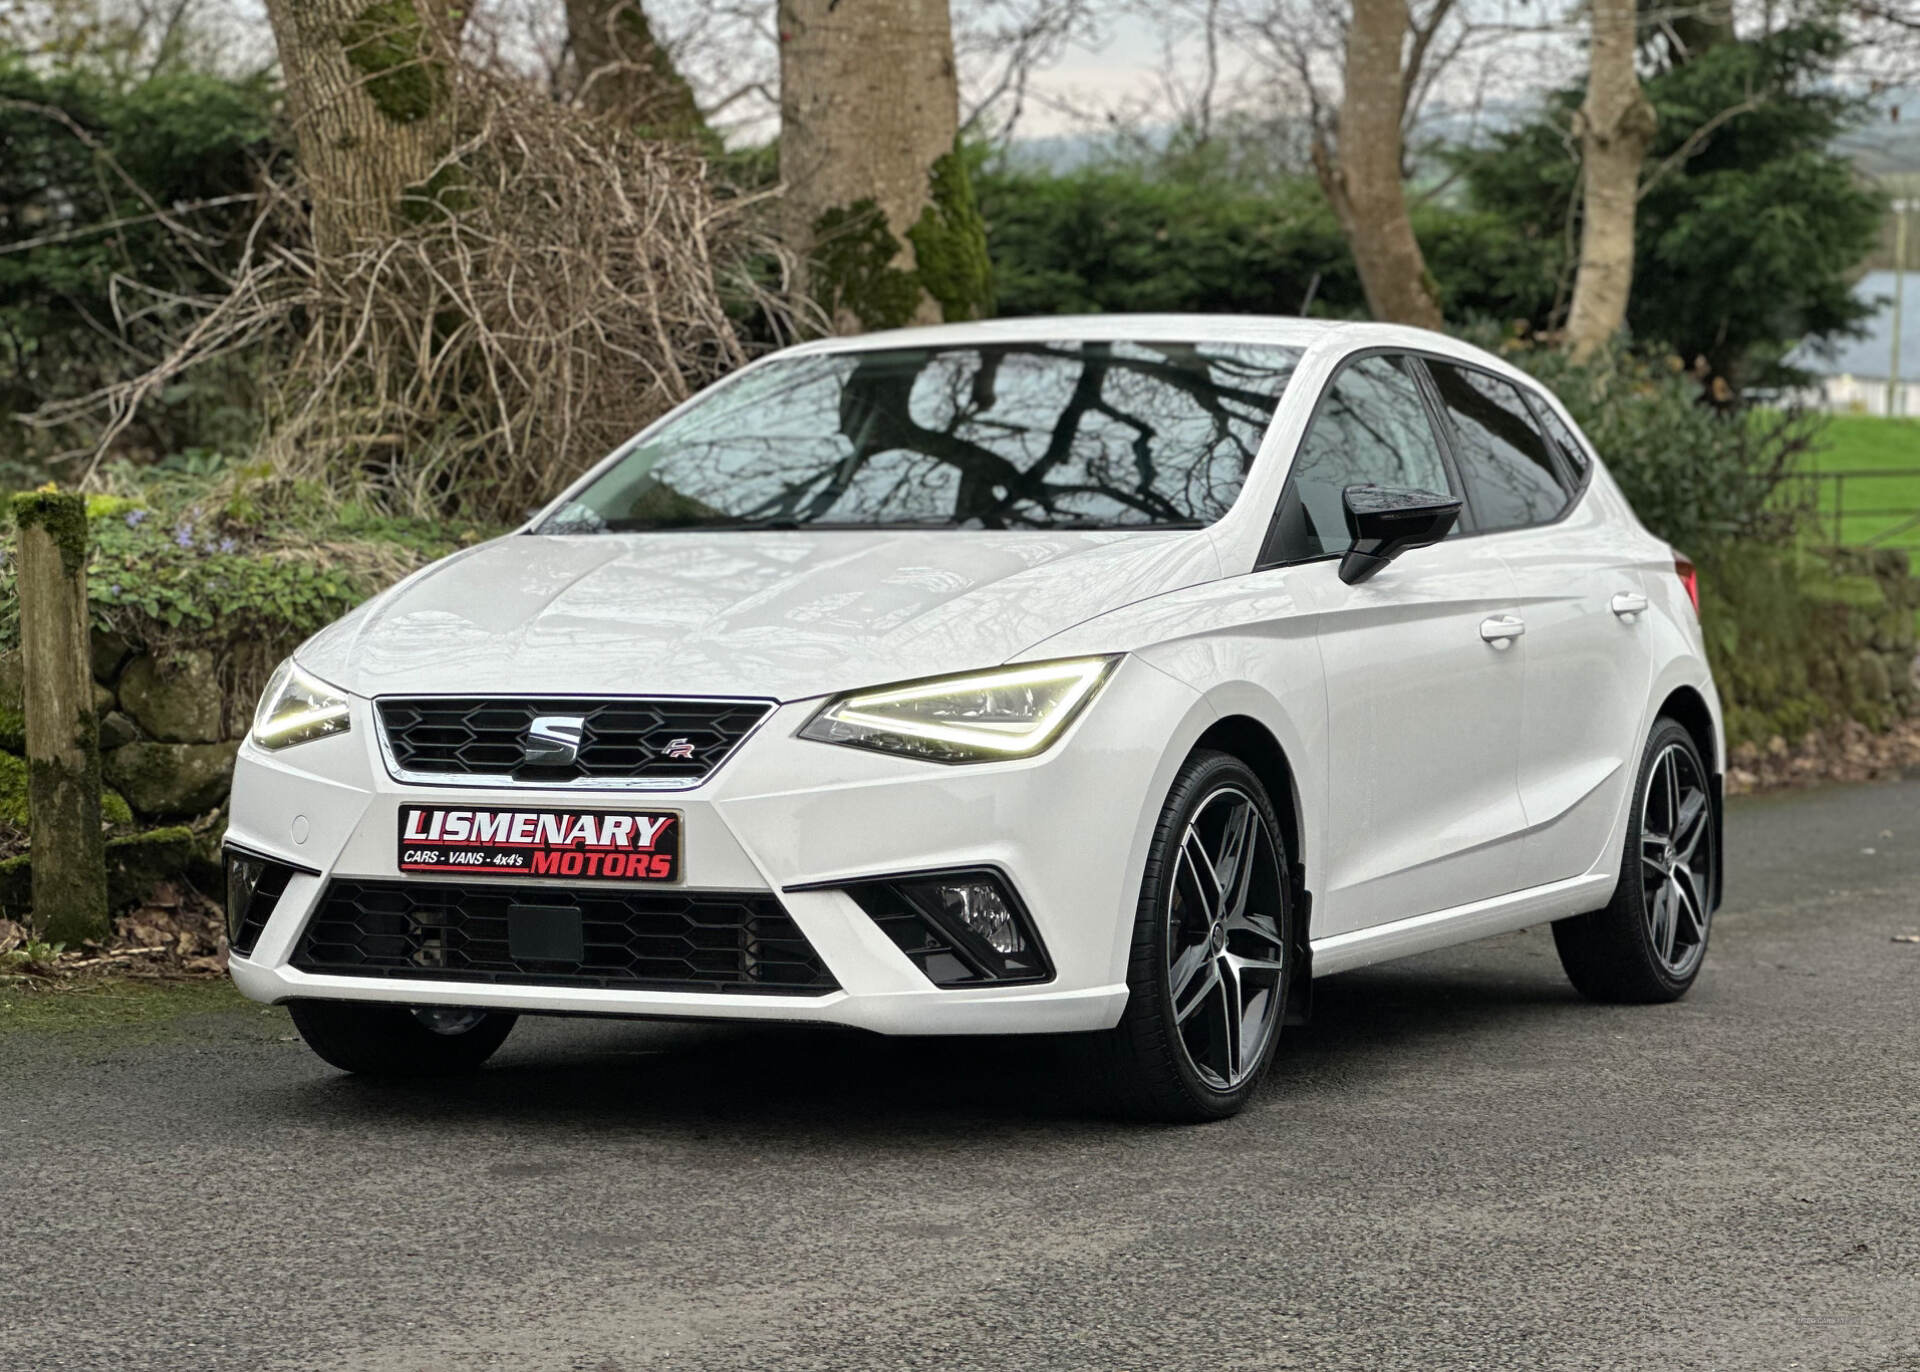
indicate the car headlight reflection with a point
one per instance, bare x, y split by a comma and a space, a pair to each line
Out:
981, 717
298, 708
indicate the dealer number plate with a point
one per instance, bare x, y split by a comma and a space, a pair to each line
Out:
588, 845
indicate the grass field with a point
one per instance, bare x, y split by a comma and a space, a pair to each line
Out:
1863, 509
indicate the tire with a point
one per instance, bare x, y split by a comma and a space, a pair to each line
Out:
395, 1041
1174, 1056
1648, 944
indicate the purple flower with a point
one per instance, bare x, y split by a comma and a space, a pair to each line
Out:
135, 518
227, 545
115, 588
184, 535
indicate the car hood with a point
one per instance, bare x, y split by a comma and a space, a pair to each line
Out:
784, 614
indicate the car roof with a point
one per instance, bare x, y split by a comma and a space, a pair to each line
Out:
1196, 328
1281, 330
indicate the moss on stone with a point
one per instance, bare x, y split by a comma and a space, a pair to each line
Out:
135, 864
15, 812
1802, 640
13, 792
63, 514
16, 888
853, 269
950, 243
172, 779
139, 862
387, 42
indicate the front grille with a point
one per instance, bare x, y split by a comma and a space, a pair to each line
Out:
633, 940
624, 742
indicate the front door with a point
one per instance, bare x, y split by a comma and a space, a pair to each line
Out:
1423, 735
1424, 689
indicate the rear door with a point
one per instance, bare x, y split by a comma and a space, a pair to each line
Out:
1588, 666
1422, 709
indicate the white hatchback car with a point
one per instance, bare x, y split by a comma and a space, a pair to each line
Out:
1113, 676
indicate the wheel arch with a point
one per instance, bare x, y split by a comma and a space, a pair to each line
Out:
1688, 708
1249, 740
1254, 744
1685, 706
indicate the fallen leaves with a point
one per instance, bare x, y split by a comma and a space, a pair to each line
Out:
176, 932
1851, 752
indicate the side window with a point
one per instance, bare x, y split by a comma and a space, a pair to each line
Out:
1371, 429
1570, 447
1504, 458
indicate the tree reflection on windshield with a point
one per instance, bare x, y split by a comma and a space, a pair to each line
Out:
1013, 435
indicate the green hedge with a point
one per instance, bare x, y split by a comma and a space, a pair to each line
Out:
1804, 640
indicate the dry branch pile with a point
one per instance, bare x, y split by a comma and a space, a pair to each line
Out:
553, 286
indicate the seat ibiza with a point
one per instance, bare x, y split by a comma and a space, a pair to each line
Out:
1110, 676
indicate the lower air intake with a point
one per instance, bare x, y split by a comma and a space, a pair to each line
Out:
961, 928
254, 887
539, 936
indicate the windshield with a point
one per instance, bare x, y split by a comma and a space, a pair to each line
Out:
1035, 435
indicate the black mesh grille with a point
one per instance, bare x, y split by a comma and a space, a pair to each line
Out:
634, 940
666, 741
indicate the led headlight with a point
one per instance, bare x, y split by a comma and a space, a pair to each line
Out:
984, 716
297, 708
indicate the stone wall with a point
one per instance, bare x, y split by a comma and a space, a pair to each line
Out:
167, 741
1806, 640
166, 744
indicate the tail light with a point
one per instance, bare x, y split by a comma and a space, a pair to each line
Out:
1689, 577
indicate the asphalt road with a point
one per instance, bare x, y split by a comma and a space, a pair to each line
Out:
1459, 1165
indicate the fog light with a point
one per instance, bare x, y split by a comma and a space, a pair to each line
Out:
961, 928
980, 907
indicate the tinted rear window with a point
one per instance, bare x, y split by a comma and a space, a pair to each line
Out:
1570, 447
1504, 458
998, 436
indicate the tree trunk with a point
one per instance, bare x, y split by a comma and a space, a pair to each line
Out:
369, 91
623, 73
877, 206
1615, 126
1364, 184
63, 746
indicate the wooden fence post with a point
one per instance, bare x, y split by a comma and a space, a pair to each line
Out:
63, 740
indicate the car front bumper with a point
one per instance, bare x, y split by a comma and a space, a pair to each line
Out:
1068, 830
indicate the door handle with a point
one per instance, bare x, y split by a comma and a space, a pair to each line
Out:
1629, 603
1502, 630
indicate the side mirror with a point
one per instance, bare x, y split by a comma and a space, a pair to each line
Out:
1386, 521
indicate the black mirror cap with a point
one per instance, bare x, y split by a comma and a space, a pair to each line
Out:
1386, 521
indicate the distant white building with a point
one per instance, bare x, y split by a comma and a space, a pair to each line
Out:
1853, 373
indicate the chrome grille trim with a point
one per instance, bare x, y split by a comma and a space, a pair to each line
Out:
537, 704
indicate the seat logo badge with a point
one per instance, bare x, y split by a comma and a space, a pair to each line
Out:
553, 740
679, 748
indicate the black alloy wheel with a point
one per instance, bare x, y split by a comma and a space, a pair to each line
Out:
1212, 950
1648, 944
